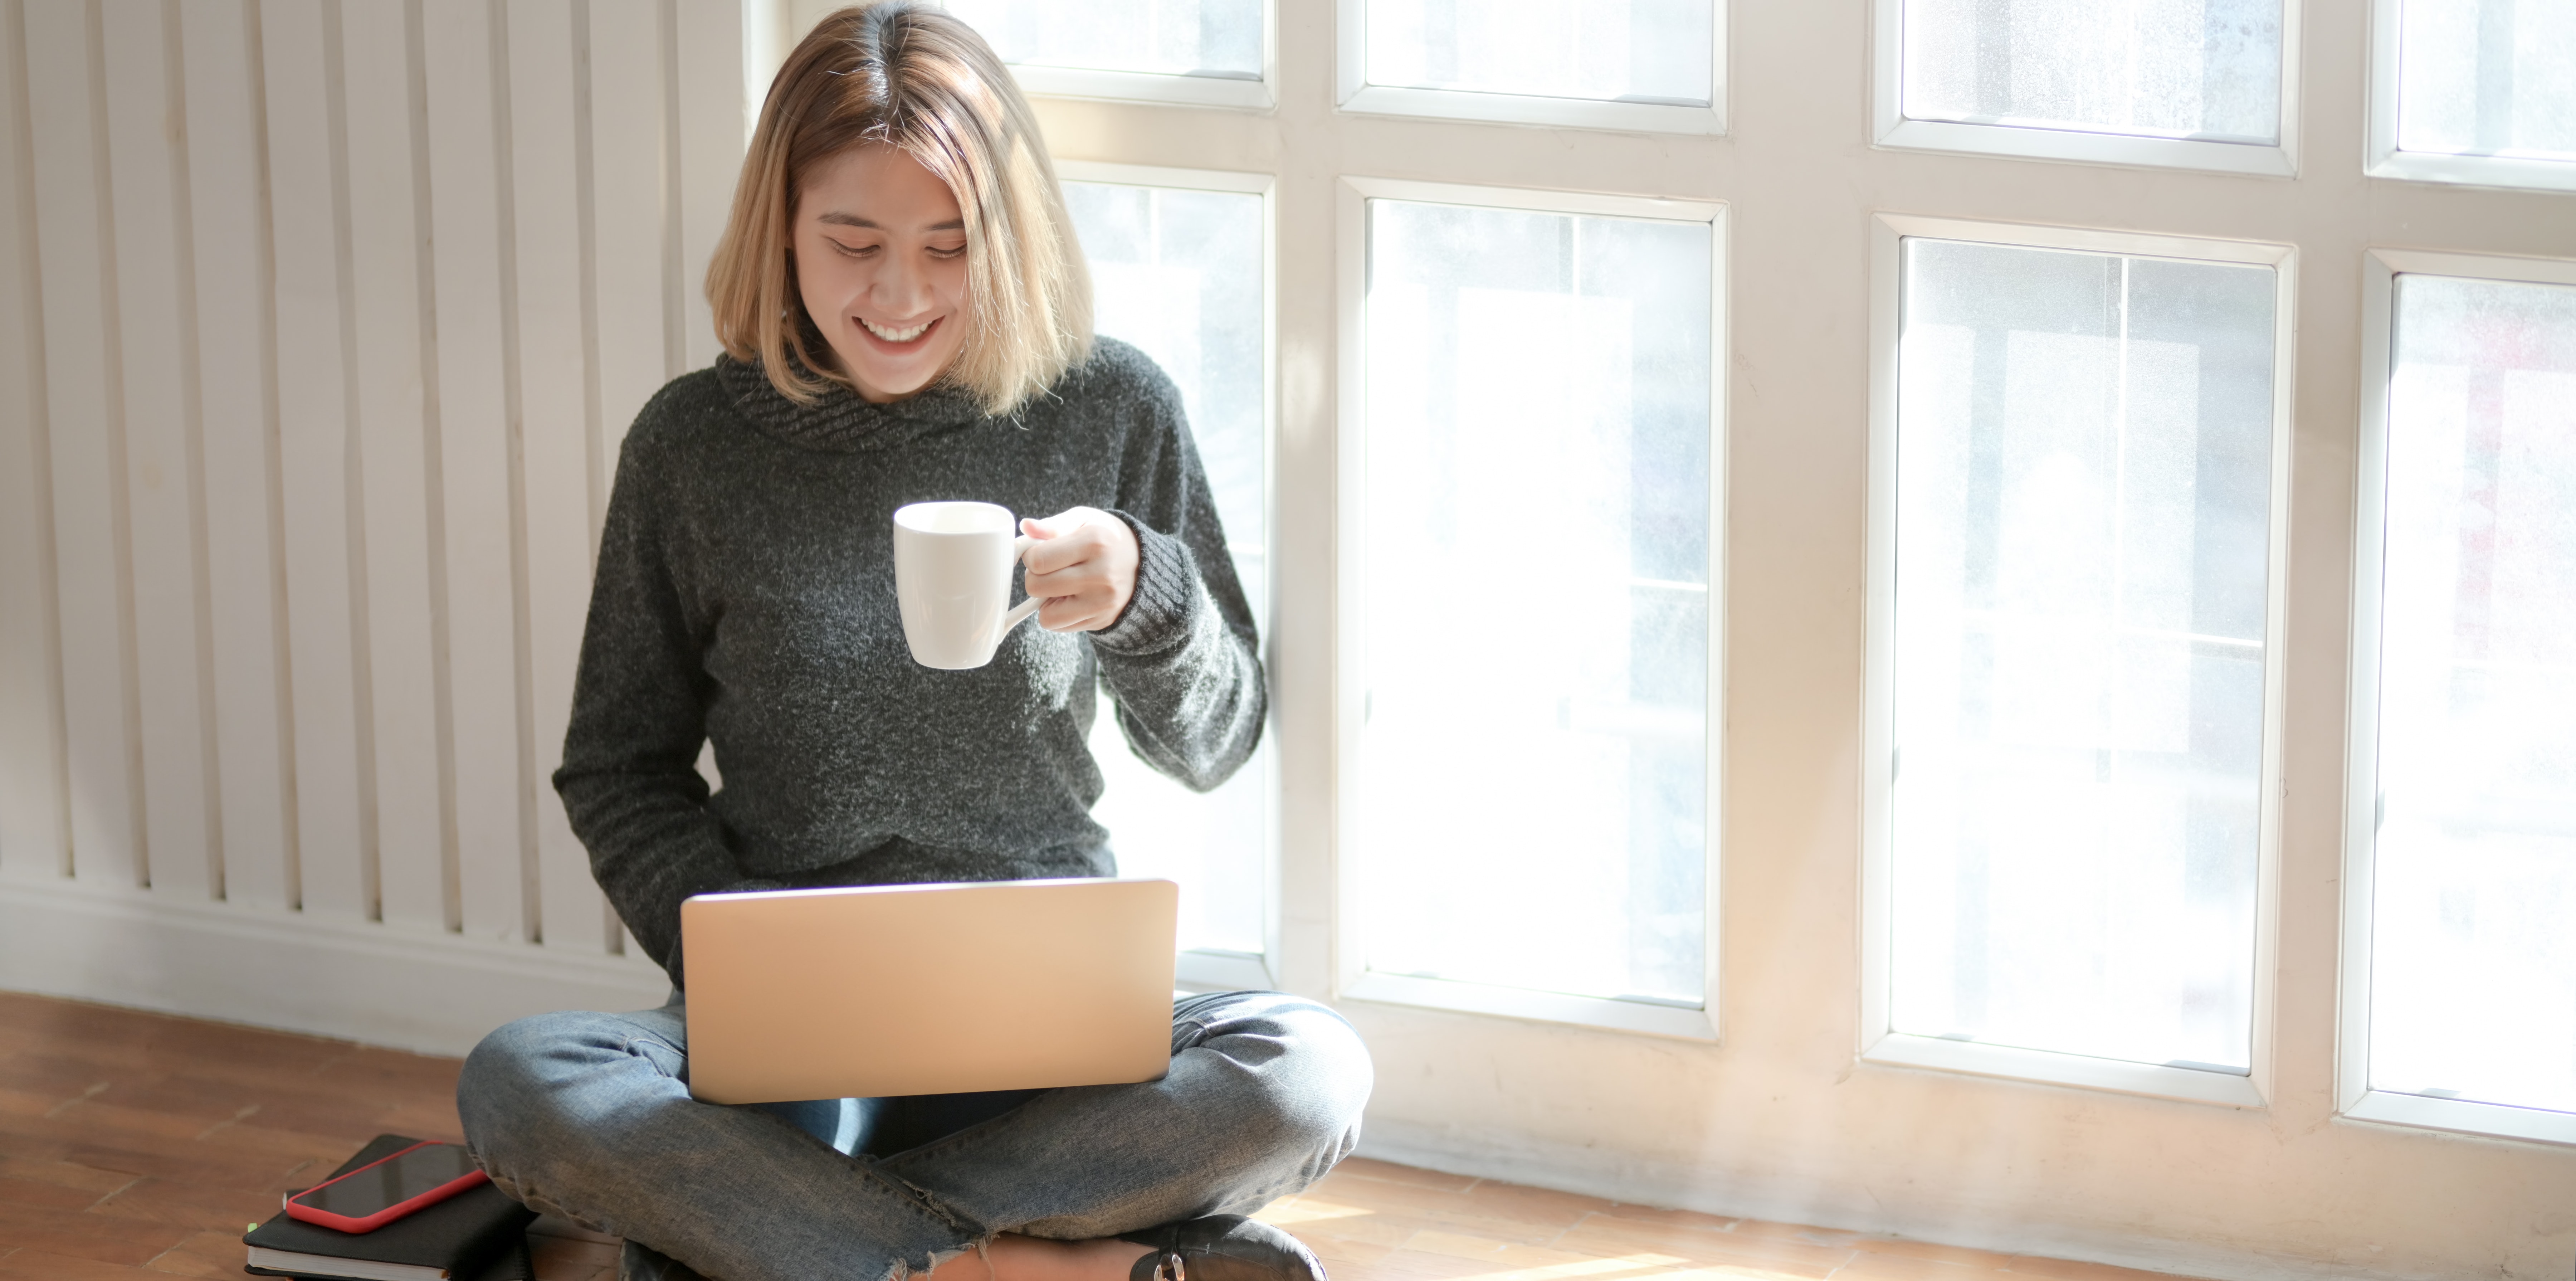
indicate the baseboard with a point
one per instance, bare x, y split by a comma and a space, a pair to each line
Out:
431, 992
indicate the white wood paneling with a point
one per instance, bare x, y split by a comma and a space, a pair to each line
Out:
628, 224
467, 224
319, 325
34, 838
547, 98
86, 436
244, 544
636, 272
146, 157
387, 241
316, 450
709, 88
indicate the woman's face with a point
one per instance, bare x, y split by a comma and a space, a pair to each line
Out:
881, 263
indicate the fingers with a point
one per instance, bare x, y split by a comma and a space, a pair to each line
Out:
1085, 613
1077, 601
1084, 561
1065, 539
1078, 591
1058, 525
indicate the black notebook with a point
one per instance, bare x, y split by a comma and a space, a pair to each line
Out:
476, 1235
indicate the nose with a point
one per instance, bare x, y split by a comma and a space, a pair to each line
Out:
900, 288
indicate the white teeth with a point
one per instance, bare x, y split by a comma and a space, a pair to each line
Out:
896, 335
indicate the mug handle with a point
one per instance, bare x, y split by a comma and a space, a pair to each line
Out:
1020, 613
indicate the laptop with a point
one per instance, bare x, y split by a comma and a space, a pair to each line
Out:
928, 989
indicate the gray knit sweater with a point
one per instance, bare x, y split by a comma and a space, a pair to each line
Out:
745, 595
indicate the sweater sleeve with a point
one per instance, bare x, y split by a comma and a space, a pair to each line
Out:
629, 779
1182, 662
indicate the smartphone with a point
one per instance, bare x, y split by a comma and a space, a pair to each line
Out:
371, 1196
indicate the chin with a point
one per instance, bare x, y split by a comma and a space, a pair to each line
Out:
879, 378
877, 383
895, 388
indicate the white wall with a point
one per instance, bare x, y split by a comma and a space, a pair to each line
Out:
320, 324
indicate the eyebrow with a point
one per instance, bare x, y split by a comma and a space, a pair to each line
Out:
853, 220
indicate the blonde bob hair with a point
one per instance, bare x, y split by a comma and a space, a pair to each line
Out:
909, 76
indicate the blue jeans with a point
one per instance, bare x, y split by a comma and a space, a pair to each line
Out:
589, 1116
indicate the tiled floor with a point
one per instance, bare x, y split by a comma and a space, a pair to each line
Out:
137, 1146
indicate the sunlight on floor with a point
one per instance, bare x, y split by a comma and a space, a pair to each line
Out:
1374, 1221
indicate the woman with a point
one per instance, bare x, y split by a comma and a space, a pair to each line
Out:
905, 317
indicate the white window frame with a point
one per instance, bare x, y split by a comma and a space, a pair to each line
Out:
1153, 87
1165, 89
2354, 1099
1892, 129
1216, 969
2388, 161
1354, 980
1880, 1043
1355, 94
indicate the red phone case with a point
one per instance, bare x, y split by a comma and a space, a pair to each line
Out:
296, 1209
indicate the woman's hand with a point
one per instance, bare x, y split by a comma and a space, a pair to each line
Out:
1085, 564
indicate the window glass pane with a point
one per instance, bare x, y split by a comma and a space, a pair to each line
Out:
2152, 68
2473, 954
1619, 50
1219, 38
1534, 799
2083, 477
2487, 78
1179, 274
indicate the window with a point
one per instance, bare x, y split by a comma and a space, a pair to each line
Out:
1183, 265
1199, 52
1649, 65
1533, 804
2076, 684
2461, 981
1179, 267
2198, 84
2479, 91
2136, 962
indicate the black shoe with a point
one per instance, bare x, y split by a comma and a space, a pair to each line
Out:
637, 1261
1223, 1247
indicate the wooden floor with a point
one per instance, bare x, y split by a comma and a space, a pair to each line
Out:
138, 1146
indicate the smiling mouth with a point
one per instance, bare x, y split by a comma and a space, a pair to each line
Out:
884, 334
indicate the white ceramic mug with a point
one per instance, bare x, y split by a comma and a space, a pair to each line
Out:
952, 580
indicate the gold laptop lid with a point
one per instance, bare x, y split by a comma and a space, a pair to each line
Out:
928, 989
